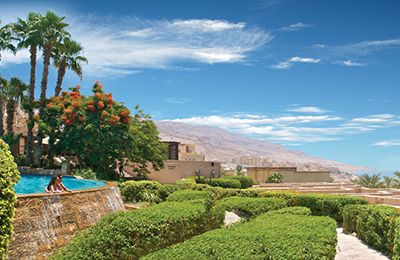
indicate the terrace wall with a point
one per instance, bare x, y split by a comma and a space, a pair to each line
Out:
290, 174
45, 222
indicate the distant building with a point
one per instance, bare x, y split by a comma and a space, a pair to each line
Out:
289, 174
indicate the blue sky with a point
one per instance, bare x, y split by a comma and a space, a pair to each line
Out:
317, 76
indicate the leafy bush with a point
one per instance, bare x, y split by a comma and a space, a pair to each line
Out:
191, 195
292, 210
326, 205
136, 191
396, 247
245, 181
188, 183
132, 234
350, 215
9, 175
86, 173
166, 190
265, 237
376, 226
225, 183
275, 177
251, 206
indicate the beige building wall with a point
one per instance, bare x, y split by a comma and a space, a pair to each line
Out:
290, 174
175, 170
188, 152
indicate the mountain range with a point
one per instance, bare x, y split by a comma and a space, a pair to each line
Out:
232, 149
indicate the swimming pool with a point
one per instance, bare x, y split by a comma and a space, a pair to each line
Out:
30, 183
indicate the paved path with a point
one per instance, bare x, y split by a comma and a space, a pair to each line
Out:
351, 248
231, 218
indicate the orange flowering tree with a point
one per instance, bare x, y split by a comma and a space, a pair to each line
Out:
99, 130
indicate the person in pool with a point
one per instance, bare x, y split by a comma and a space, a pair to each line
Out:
56, 185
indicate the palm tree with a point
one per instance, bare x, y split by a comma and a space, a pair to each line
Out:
6, 39
370, 181
3, 101
388, 182
52, 28
66, 56
29, 36
14, 90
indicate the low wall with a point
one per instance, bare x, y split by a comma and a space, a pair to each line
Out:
290, 175
45, 222
175, 170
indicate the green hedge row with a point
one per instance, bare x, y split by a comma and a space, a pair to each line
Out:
251, 206
9, 175
376, 225
136, 191
292, 210
235, 182
132, 234
268, 236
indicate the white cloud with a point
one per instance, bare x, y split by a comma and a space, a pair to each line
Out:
19, 58
308, 109
388, 143
379, 118
287, 64
295, 27
173, 100
292, 128
206, 25
350, 63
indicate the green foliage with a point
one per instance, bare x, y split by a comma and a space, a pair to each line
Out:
166, 190
239, 170
370, 181
192, 195
132, 234
265, 237
9, 175
396, 247
188, 183
251, 206
350, 215
376, 226
86, 173
225, 183
275, 177
137, 191
245, 181
291, 210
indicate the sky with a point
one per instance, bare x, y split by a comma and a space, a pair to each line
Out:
321, 76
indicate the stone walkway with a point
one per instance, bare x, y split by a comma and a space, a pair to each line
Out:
231, 218
351, 248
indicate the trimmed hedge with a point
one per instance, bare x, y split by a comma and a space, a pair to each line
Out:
137, 191
225, 183
292, 210
251, 206
132, 234
245, 181
9, 175
166, 190
350, 215
265, 237
184, 195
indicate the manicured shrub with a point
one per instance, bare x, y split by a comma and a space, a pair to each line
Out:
376, 226
292, 210
326, 205
183, 195
350, 215
287, 195
225, 183
166, 190
245, 181
9, 175
224, 193
188, 183
132, 234
265, 237
251, 206
136, 191
396, 247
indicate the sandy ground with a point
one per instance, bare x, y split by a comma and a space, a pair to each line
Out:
351, 248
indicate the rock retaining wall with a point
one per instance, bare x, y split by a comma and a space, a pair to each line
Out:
45, 222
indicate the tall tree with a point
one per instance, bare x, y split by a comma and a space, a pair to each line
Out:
14, 90
3, 100
53, 31
29, 37
67, 56
6, 39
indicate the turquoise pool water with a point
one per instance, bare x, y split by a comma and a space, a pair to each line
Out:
29, 183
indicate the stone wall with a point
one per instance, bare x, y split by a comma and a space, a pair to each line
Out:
289, 174
45, 222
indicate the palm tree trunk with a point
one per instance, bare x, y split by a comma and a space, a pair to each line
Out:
45, 75
60, 77
31, 123
1, 118
10, 116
